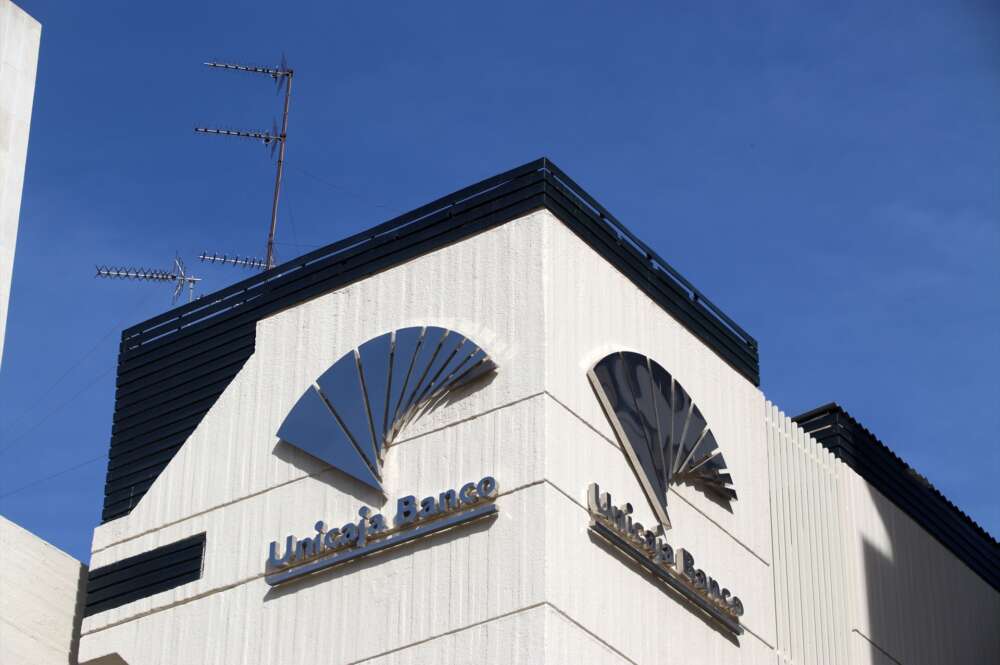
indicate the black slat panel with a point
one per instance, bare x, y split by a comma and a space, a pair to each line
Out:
851, 442
145, 574
197, 390
173, 367
211, 372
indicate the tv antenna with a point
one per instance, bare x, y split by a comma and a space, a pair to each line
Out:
274, 139
178, 275
238, 261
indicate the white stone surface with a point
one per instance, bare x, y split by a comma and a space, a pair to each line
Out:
911, 597
41, 594
591, 309
20, 35
857, 580
531, 586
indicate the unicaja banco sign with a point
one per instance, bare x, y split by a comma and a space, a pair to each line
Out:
352, 415
371, 532
359, 407
667, 441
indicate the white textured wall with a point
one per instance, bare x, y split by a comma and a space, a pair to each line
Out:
228, 481
807, 527
591, 309
40, 599
531, 587
914, 601
857, 580
19, 38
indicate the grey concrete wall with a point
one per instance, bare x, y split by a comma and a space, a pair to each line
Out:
19, 39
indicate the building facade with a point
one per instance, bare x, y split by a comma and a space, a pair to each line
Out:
500, 429
20, 36
41, 599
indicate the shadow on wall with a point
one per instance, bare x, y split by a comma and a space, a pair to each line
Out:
81, 601
877, 571
916, 610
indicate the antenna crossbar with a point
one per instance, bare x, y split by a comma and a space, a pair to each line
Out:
259, 136
270, 71
240, 261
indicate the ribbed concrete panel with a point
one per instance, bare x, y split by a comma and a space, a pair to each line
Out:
856, 579
515, 638
591, 310
485, 287
914, 600
809, 564
567, 642
575, 456
505, 443
404, 597
601, 592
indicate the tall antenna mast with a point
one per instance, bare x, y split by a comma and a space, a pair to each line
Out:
178, 275
275, 139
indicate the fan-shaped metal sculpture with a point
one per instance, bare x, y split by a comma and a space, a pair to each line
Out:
662, 431
359, 406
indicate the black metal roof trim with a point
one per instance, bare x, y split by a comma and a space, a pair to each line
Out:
173, 367
144, 574
874, 461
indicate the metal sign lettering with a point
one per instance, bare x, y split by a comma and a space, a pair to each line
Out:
677, 569
371, 533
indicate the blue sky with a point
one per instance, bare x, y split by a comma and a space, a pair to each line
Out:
827, 174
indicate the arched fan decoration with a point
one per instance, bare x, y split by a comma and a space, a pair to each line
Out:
662, 431
360, 405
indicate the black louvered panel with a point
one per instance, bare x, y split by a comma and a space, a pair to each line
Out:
173, 367
144, 574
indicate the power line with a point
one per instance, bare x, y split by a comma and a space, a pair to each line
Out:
339, 188
291, 217
38, 481
56, 410
40, 399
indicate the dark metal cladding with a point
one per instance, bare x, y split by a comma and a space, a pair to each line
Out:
144, 574
874, 461
173, 367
